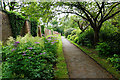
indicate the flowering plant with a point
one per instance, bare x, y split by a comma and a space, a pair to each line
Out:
29, 59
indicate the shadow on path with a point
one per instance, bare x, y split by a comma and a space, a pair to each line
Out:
80, 65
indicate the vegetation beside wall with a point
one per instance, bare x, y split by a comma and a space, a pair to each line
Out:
16, 21
34, 25
29, 58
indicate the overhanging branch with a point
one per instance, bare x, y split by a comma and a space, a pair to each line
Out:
111, 15
111, 9
77, 14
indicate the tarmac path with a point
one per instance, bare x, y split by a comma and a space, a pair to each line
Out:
81, 65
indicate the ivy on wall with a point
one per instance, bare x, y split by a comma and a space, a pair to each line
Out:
42, 29
16, 21
34, 25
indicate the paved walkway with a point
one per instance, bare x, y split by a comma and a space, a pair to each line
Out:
80, 65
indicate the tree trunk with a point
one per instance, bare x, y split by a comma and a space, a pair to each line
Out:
96, 36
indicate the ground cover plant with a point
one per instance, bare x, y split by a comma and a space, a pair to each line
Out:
29, 57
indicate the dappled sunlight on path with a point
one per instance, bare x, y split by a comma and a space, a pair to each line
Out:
80, 65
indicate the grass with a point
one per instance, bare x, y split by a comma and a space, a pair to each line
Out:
102, 61
0, 62
61, 71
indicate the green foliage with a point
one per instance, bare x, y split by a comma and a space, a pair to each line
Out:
16, 22
68, 36
85, 38
111, 36
42, 29
104, 49
34, 25
35, 10
73, 37
29, 58
115, 60
68, 31
74, 32
107, 31
61, 71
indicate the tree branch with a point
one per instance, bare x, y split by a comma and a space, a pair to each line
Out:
111, 15
85, 11
97, 4
77, 14
111, 9
100, 11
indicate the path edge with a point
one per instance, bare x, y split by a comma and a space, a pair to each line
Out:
93, 60
65, 58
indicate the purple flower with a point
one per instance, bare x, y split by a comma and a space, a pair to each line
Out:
40, 53
49, 39
29, 48
42, 34
55, 39
23, 54
43, 52
29, 57
52, 42
13, 50
37, 42
33, 53
17, 42
45, 42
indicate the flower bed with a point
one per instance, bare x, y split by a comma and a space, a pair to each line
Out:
29, 57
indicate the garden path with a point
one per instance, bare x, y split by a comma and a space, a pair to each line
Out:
81, 65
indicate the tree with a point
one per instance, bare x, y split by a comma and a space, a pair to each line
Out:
96, 13
38, 10
82, 24
12, 5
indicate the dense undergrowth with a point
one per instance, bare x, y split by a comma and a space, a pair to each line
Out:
30, 57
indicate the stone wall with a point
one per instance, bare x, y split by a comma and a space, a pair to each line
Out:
26, 28
39, 31
5, 30
49, 32
5, 27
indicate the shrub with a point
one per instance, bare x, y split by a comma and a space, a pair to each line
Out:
107, 31
69, 36
74, 32
76, 39
68, 31
30, 58
73, 37
115, 60
104, 49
